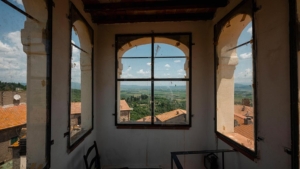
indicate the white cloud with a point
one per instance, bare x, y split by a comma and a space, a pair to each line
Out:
19, 2
246, 55
250, 30
177, 61
13, 61
167, 66
180, 70
149, 64
142, 72
126, 73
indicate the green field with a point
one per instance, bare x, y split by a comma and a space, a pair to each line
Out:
165, 99
242, 92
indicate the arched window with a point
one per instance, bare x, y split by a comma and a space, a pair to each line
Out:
81, 99
153, 80
235, 79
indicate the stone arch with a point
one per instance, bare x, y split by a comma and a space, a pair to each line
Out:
227, 61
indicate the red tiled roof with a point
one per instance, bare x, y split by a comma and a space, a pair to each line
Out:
124, 105
169, 115
75, 107
12, 116
238, 110
242, 129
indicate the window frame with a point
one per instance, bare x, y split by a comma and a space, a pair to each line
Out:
79, 16
152, 79
245, 7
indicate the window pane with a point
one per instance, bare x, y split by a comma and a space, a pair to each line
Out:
134, 102
81, 110
235, 94
170, 68
170, 102
135, 68
171, 45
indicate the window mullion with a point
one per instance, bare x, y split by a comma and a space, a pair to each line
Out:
152, 80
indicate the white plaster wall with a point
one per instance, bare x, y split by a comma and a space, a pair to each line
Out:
60, 158
141, 148
273, 108
145, 147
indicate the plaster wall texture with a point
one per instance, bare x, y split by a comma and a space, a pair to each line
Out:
148, 147
273, 108
60, 158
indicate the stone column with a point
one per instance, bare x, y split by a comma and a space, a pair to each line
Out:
33, 40
225, 93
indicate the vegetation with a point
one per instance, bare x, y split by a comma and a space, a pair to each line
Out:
242, 92
165, 99
75, 95
6, 86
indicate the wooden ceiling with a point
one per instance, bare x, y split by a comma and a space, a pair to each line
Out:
129, 11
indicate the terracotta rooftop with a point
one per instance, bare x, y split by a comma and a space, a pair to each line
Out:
242, 129
238, 109
169, 115
11, 116
146, 119
75, 107
124, 106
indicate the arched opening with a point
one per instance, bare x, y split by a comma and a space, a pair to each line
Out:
234, 81
153, 80
80, 116
24, 71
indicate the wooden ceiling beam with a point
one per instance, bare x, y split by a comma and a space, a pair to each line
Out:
154, 5
100, 19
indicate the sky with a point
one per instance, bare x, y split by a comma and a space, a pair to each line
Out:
75, 60
243, 71
13, 61
12, 58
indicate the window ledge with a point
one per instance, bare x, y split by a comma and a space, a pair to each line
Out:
251, 154
155, 127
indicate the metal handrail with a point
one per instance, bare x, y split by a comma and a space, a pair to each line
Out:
178, 164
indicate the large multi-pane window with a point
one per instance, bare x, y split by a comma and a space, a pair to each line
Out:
235, 79
153, 79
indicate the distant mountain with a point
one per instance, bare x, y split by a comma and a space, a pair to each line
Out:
75, 85
138, 87
242, 87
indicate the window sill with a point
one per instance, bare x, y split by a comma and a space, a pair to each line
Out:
160, 127
251, 154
